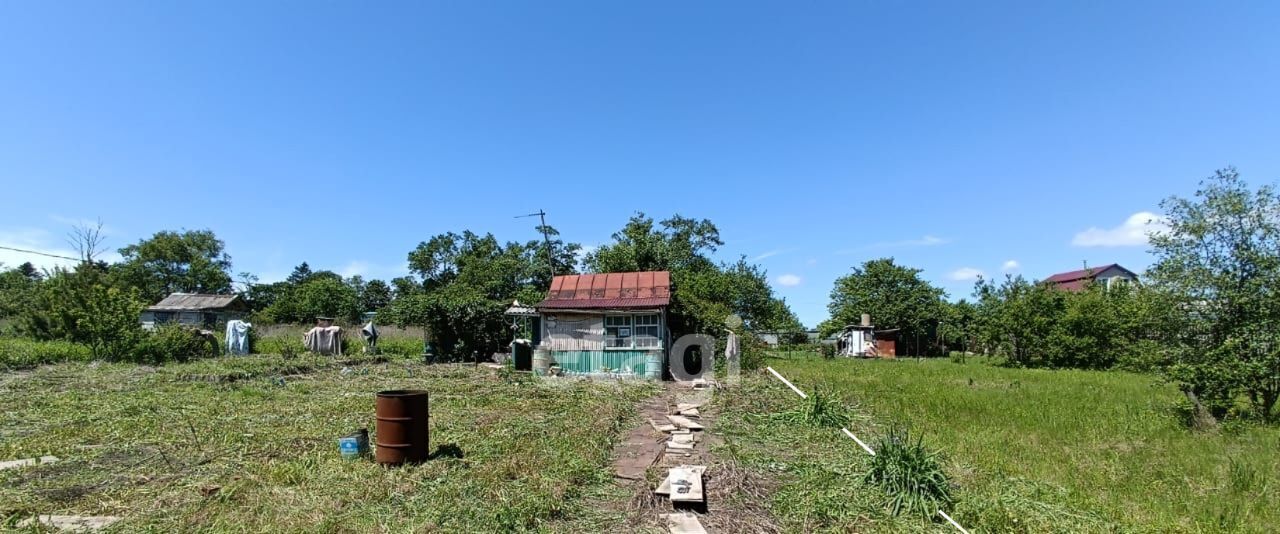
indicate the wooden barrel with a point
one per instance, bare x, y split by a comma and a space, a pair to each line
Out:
541, 361
401, 432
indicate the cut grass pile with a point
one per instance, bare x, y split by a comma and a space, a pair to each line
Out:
250, 444
1027, 450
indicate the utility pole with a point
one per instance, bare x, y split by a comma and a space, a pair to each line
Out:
542, 216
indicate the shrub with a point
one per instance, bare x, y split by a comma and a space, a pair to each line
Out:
910, 475
17, 353
172, 343
828, 350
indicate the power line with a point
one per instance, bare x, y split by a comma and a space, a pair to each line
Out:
39, 253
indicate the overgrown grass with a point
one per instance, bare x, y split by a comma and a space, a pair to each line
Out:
249, 444
278, 339
17, 353
1027, 450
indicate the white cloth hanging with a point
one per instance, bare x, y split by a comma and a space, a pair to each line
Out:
370, 334
237, 338
323, 340
731, 347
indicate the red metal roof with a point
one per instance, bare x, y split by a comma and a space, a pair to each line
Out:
1082, 274
609, 290
1075, 280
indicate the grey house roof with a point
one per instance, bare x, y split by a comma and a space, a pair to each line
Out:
194, 302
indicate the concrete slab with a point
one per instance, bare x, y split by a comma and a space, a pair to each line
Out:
25, 462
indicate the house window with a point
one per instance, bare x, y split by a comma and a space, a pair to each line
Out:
647, 332
163, 317
1104, 283
617, 332
632, 332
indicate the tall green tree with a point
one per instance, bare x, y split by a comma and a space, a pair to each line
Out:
895, 296
80, 305
1219, 259
1020, 319
16, 287
375, 295
706, 293
192, 261
464, 282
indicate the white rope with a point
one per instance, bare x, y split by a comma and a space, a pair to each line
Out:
788, 383
952, 521
859, 442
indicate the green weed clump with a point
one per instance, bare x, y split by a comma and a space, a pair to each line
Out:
910, 474
823, 408
21, 353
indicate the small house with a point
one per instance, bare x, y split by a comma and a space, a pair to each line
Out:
863, 340
607, 324
194, 309
1107, 276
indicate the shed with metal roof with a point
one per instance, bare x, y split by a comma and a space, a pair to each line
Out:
612, 324
194, 309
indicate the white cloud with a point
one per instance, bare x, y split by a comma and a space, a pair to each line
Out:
1134, 231
789, 280
769, 254
1011, 265
966, 273
76, 222
926, 241
354, 268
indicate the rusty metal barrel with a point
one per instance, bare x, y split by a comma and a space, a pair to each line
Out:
401, 431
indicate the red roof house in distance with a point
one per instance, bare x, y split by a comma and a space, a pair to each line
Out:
1108, 275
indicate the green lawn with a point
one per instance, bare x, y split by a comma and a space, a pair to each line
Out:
1030, 450
224, 445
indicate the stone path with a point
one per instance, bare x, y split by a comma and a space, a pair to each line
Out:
676, 434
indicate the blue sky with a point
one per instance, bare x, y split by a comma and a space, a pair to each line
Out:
953, 136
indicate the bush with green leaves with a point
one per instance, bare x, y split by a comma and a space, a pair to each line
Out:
172, 343
828, 350
910, 474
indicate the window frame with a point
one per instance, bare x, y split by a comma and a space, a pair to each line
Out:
629, 321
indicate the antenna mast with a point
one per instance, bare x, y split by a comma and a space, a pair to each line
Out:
546, 238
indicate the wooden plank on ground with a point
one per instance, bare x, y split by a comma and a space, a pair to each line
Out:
684, 422
662, 427
665, 487
13, 464
73, 523
684, 523
686, 483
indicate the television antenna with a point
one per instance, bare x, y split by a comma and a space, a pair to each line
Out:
542, 216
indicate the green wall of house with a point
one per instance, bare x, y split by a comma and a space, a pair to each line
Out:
594, 361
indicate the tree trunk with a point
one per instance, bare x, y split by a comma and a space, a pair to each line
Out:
1201, 419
